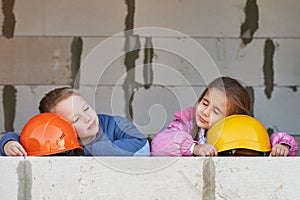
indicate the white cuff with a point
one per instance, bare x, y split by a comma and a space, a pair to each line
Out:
192, 148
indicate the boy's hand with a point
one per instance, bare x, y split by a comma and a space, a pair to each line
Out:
279, 150
205, 150
14, 148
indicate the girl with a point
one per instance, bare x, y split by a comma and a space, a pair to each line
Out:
101, 135
186, 135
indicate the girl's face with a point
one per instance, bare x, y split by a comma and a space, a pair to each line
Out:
81, 115
211, 108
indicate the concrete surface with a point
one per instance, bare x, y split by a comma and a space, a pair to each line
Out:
149, 178
42, 51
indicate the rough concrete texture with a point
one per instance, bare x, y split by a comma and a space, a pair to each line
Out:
9, 177
51, 39
35, 61
149, 178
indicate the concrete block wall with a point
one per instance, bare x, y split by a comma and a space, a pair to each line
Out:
51, 40
149, 178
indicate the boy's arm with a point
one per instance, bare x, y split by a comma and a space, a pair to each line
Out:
104, 148
10, 136
127, 140
285, 138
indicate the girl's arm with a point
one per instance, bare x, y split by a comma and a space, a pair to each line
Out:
176, 140
285, 139
172, 142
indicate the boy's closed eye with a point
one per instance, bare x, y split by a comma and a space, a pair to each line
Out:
75, 119
86, 108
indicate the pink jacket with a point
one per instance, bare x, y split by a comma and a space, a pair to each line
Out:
176, 140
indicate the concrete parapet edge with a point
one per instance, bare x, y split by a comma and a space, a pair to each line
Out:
149, 178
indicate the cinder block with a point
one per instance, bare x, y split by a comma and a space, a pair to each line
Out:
280, 112
177, 61
35, 60
12, 177
193, 17
30, 18
149, 178
115, 178
278, 18
256, 178
90, 17
246, 63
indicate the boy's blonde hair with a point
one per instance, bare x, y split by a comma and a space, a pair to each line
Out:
50, 99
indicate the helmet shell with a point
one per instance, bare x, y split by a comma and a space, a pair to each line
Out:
48, 133
239, 131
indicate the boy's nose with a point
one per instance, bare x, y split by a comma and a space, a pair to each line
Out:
87, 118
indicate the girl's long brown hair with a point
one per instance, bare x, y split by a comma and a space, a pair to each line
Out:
238, 98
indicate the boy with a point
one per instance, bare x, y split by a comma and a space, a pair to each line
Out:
100, 135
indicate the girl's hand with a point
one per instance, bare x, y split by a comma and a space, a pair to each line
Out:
14, 148
280, 150
205, 150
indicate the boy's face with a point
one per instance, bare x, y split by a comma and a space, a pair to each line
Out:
81, 115
211, 108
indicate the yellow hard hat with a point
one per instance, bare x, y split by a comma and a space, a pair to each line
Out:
239, 132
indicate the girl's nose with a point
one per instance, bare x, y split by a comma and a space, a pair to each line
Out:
206, 111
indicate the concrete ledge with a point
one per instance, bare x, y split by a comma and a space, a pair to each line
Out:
149, 178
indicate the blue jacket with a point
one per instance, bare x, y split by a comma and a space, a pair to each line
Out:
117, 136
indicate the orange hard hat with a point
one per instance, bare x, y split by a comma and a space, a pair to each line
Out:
48, 133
